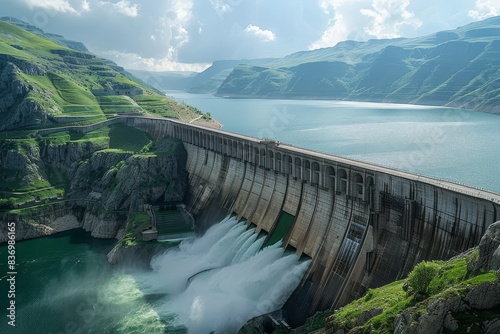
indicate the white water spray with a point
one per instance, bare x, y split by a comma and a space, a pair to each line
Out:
221, 280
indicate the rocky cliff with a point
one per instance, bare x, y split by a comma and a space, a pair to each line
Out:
16, 107
462, 296
100, 184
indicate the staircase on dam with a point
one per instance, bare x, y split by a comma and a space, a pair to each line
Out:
362, 225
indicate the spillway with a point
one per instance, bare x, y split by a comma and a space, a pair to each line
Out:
221, 280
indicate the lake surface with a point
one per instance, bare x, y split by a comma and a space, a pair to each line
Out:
458, 145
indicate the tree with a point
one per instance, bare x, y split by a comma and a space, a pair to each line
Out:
422, 275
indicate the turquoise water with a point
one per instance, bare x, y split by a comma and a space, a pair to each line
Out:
214, 283
453, 144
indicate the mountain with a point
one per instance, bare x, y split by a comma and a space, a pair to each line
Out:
169, 80
58, 39
62, 178
47, 81
458, 68
210, 79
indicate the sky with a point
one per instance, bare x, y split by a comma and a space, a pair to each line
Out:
188, 35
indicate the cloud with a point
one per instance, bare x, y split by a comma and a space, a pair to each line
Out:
348, 20
62, 6
137, 62
264, 35
344, 17
485, 9
123, 7
389, 17
85, 6
220, 7
179, 16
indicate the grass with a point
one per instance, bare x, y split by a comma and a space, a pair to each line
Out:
32, 45
125, 138
157, 104
452, 279
99, 137
117, 104
137, 222
391, 298
34, 211
39, 194
57, 138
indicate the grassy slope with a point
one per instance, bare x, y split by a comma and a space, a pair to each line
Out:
71, 79
452, 279
63, 82
458, 68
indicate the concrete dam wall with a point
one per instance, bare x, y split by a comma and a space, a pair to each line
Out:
363, 225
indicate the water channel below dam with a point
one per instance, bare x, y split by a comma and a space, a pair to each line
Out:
213, 283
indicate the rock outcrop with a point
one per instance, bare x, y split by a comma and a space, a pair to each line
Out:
103, 185
17, 109
489, 249
45, 221
441, 314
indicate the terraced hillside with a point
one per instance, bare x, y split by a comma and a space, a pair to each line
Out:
44, 84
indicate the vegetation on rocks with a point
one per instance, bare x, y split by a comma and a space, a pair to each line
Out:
45, 83
455, 296
137, 222
99, 174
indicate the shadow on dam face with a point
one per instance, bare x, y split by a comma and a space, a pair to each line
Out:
362, 225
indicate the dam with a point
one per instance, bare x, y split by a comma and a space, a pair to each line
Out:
362, 225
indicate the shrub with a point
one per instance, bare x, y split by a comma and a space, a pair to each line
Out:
7, 203
422, 275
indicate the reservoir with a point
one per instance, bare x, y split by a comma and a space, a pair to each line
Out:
447, 143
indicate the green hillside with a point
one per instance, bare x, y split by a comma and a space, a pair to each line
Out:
457, 68
437, 297
48, 84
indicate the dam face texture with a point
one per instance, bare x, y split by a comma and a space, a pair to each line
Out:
362, 225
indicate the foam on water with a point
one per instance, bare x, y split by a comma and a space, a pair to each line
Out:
221, 280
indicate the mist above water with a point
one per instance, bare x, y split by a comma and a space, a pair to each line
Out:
213, 283
221, 280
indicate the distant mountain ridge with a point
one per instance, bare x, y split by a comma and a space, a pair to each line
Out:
456, 68
58, 39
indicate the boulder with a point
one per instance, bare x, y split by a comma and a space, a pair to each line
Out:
489, 253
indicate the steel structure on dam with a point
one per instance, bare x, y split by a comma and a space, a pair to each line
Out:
363, 225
